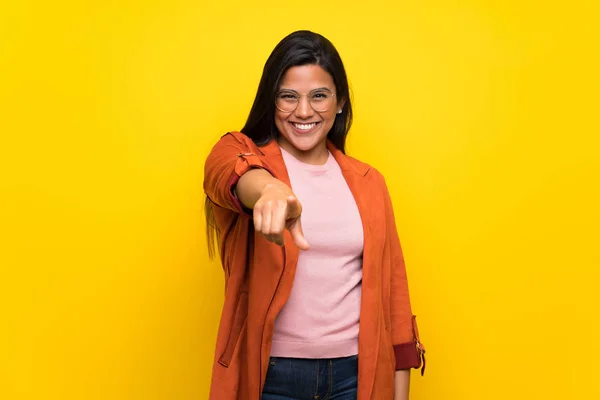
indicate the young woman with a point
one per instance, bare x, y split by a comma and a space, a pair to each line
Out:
316, 300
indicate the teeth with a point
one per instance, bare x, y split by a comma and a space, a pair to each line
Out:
305, 127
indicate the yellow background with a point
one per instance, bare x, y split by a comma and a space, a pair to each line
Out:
481, 114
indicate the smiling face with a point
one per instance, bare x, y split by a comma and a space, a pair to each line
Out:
303, 132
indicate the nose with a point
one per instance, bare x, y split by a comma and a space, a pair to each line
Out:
304, 109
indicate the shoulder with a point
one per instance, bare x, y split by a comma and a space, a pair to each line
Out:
235, 143
235, 138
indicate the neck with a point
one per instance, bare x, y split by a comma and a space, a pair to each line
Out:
318, 155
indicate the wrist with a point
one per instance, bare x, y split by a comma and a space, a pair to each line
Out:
272, 184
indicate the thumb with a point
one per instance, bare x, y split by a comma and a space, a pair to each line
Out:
298, 236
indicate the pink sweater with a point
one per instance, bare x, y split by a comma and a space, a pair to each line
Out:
321, 316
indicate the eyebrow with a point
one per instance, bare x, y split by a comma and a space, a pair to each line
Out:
292, 90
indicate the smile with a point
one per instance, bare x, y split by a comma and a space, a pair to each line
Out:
304, 128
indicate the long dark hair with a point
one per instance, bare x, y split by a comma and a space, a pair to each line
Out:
297, 49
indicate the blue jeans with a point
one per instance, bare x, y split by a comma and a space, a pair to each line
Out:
311, 379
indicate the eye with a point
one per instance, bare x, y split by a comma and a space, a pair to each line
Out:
287, 96
320, 95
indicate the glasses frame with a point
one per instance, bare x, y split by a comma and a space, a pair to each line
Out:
300, 95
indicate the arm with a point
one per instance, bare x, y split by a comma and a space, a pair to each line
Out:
252, 184
401, 384
232, 156
407, 346
237, 177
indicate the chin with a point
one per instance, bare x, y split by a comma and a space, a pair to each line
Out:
305, 143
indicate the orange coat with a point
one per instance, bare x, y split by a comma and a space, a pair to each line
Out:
259, 277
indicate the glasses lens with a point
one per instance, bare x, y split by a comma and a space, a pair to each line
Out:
286, 101
321, 100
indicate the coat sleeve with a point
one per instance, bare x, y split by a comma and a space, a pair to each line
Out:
232, 156
408, 349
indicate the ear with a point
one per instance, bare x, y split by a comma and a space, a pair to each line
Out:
340, 105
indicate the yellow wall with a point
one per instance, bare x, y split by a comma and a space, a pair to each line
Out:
482, 115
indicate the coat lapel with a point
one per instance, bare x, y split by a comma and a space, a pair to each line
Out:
367, 195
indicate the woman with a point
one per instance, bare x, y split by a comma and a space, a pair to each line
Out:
309, 246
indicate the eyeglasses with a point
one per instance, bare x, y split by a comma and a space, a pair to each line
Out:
320, 100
